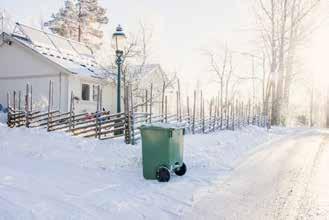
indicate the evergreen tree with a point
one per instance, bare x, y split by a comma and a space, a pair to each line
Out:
80, 20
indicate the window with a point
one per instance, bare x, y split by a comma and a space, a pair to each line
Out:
95, 93
85, 94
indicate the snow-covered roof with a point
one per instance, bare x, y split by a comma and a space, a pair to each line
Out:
139, 72
73, 56
144, 69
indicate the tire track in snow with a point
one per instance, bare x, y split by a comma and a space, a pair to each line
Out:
307, 206
274, 183
297, 201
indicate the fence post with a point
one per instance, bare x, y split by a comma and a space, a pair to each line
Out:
27, 106
146, 105
151, 102
257, 115
201, 98
166, 109
179, 107
98, 115
9, 110
100, 99
213, 121
14, 100
222, 105
19, 99
243, 114
188, 111
14, 107
49, 105
210, 115
31, 100
233, 115
227, 113
8, 100
218, 115
162, 100
142, 104
132, 118
237, 113
177, 111
127, 117
203, 119
52, 94
27, 98
194, 105
97, 97
71, 111
97, 133
248, 113
99, 126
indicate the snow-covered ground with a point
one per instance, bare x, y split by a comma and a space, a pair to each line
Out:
286, 180
56, 176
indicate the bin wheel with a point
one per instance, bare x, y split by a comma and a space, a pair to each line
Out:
180, 171
163, 174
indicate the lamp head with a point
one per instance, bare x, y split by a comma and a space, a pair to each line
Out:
119, 39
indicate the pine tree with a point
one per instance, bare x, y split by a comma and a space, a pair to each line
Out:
80, 20
64, 22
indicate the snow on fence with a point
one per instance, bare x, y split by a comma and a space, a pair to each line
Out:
103, 125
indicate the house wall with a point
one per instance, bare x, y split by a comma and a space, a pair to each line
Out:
19, 66
109, 97
75, 85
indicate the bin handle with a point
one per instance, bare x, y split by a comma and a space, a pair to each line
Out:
170, 133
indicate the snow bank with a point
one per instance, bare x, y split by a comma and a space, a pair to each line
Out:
53, 175
58, 146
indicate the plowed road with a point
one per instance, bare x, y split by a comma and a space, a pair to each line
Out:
287, 180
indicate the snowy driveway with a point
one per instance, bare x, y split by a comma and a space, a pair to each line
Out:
288, 180
55, 176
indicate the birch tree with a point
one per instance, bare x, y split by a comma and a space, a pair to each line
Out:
282, 24
223, 70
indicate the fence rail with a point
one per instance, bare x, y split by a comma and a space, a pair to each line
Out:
103, 125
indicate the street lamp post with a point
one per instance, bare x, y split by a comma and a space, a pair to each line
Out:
118, 44
119, 63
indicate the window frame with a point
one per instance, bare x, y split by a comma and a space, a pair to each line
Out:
82, 91
95, 93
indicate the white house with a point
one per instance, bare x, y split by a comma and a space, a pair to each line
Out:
32, 56
142, 77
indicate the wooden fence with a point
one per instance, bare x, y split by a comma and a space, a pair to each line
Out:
203, 125
103, 125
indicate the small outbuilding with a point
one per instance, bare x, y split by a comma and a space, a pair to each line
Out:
34, 57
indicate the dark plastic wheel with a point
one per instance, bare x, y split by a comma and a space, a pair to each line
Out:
163, 174
180, 171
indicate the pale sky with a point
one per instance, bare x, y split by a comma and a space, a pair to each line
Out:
183, 27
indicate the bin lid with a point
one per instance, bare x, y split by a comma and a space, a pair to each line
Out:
164, 126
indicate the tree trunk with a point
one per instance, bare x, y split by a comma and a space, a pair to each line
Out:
290, 58
279, 95
221, 103
79, 23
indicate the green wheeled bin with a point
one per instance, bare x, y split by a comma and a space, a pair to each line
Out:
162, 151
